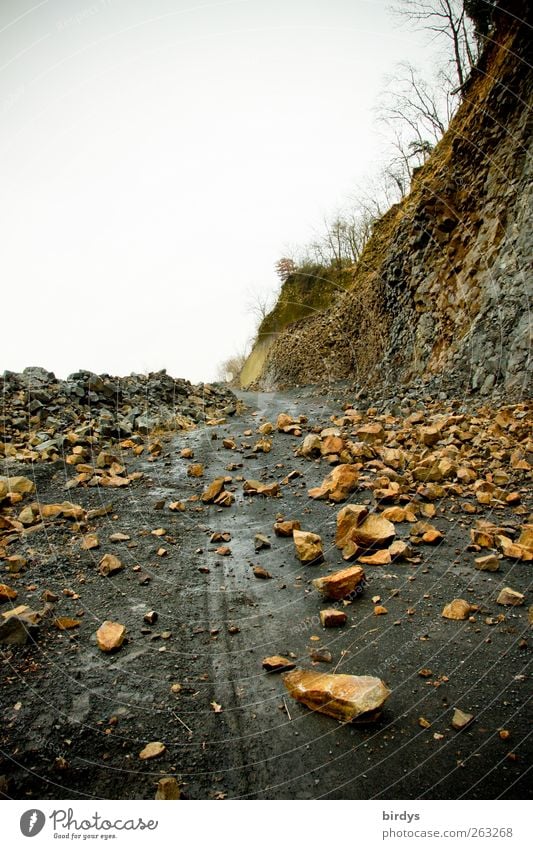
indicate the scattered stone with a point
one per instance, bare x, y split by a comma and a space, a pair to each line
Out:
332, 445
151, 617
176, 506
512, 549
394, 514
510, 597
432, 536
168, 788
379, 558
286, 528
286, 424
332, 618
490, 563
371, 433
261, 541
526, 537
109, 565
340, 584
259, 572
152, 750
20, 484
213, 490
263, 445
27, 516
321, 655
349, 518
461, 719
196, 470
49, 597
338, 485
253, 487
308, 546
7, 593
119, 537
90, 541
399, 550
65, 510
99, 512
15, 563
457, 609
374, 532
220, 536
311, 446
65, 623
110, 636
277, 663
429, 436
18, 628
187, 453
343, 697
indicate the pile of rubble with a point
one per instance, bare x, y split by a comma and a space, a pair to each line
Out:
39, 412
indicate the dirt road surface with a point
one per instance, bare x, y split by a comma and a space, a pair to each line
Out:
75, 719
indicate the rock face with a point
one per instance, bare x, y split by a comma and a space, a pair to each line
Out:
344, 697
440, 291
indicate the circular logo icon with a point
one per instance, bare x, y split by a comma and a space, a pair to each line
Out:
32, 822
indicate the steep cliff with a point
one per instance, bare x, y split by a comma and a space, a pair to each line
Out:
443, 289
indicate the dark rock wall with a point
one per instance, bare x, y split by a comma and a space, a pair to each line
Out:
443, 289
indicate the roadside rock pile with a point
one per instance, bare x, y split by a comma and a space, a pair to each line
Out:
39, 412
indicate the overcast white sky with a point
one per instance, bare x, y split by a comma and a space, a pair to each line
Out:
157, 156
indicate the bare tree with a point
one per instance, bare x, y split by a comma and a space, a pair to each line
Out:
344, 237
259, 304
409, 100
447, 19
229, 370
416, 115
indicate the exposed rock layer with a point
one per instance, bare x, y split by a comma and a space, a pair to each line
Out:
441, 290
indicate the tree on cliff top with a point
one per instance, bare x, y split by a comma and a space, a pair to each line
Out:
447, 19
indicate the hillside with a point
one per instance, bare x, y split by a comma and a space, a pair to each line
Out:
442, 291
